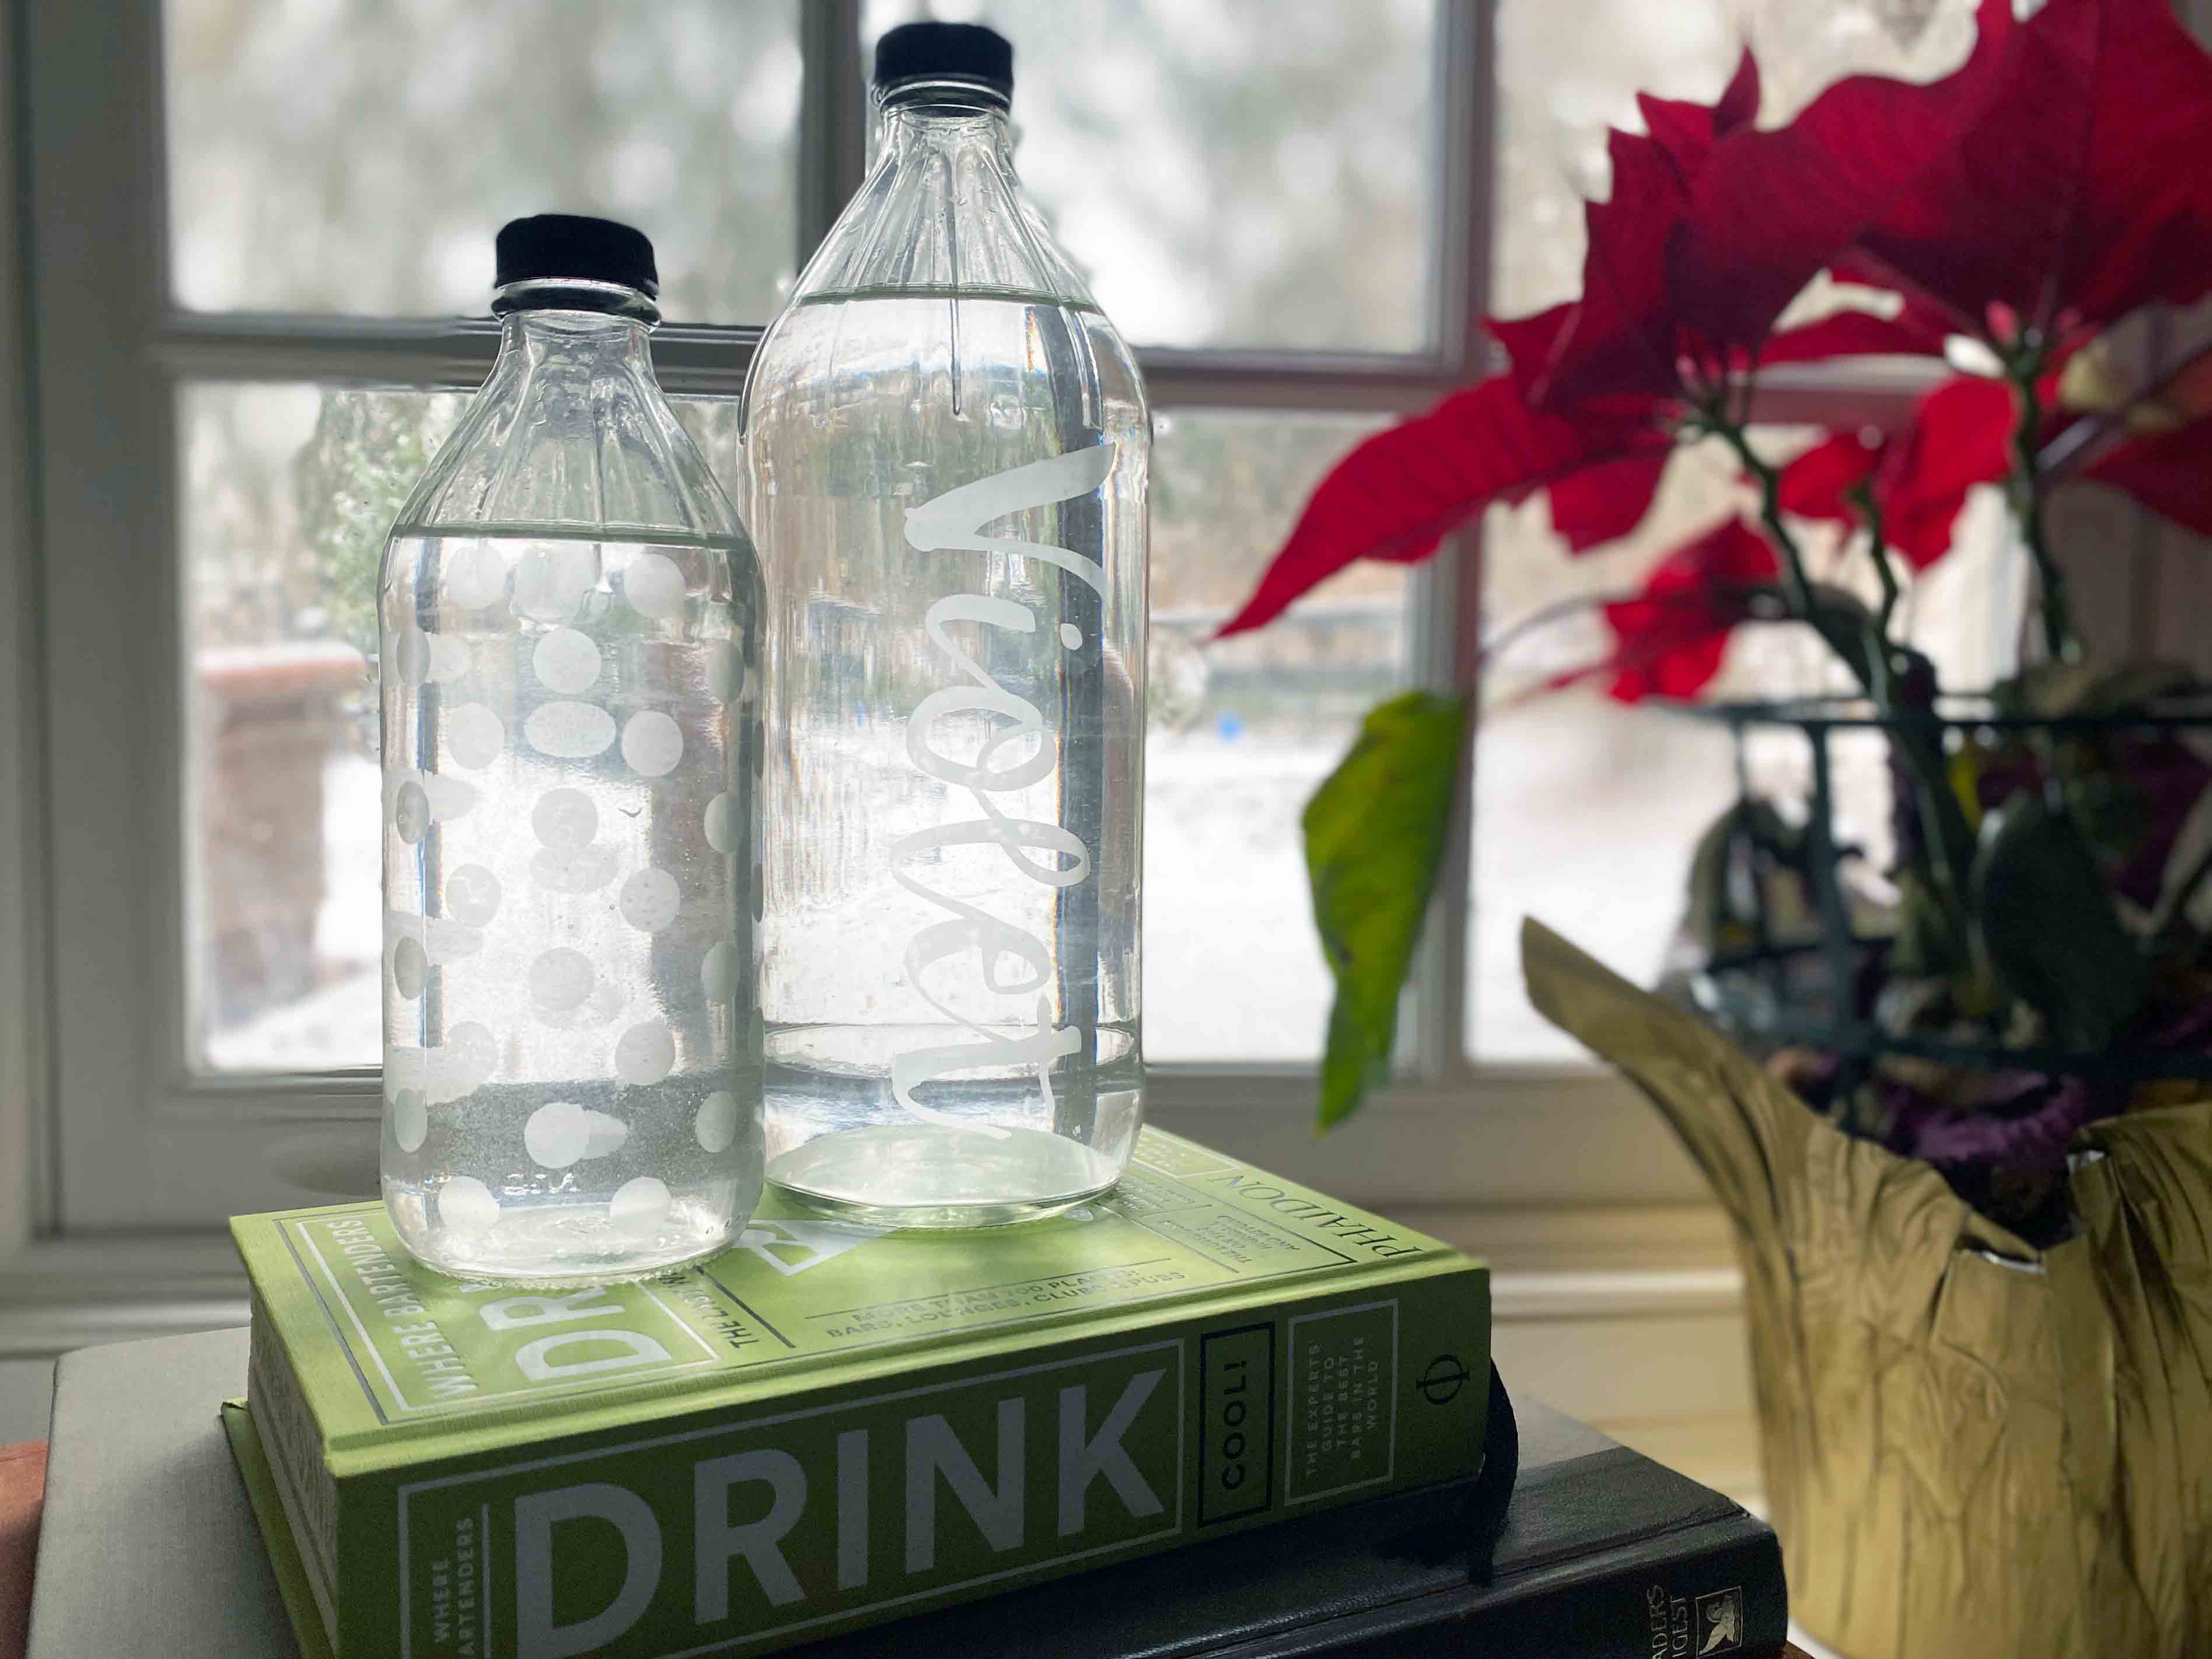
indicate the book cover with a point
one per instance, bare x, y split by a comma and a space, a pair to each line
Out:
831, 1425
1604, 1555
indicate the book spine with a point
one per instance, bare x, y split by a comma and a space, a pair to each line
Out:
1714, 1593
294, 1452
753, 1529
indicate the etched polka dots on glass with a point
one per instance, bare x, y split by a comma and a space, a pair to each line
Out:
572, 1061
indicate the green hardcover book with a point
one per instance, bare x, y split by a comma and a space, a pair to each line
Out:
830, 1425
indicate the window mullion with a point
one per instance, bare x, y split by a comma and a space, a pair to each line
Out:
711, 360
833, 116
1447, 592
1466, 101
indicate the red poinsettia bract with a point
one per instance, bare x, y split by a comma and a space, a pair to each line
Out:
1672, 636
2080, 190
1961, 436
1690, 262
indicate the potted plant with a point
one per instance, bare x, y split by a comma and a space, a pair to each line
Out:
1972, 1189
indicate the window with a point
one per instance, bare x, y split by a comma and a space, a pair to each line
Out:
248, 345
1585, 811
251, 225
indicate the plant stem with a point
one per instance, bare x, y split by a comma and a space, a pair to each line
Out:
1943, 824
2059, 640
1878, 551
1797, 585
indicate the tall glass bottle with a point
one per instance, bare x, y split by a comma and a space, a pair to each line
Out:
569, 620
946, 451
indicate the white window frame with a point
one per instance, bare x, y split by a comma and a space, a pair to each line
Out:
115, 1160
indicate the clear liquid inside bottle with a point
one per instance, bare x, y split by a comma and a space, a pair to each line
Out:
571, 750
948, 484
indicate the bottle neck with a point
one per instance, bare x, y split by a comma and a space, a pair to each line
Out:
942, 210
601, 341
935, 117
575, 294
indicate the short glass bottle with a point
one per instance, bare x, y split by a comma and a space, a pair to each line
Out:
946, 449
571, 745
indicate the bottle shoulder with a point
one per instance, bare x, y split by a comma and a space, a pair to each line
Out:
551, 445
942, 211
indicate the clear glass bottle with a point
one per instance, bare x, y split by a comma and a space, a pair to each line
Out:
571, 742
946, 451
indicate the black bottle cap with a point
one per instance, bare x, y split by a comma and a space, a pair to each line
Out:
557, 246
949, 51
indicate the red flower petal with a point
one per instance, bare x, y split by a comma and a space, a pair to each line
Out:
1687, 131
1604, 503
1623, 337
1774, 208
1530, 343
1398, 493
2169, 472
1819, 482
1673, 635
2080, 185
1960, 436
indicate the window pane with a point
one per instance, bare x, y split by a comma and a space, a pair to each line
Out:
1567, 72
355, 156
1240, 732
1587, 810
289, 489
1230, 172
288, 492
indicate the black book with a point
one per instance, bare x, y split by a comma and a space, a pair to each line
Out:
149, 1547
1603, 1554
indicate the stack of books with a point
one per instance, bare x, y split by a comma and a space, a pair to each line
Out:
1212, 1413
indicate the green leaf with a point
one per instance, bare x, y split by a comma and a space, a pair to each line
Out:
2048, 928
1375, 839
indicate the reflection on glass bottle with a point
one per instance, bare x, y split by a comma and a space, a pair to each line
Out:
569, 618
947, 448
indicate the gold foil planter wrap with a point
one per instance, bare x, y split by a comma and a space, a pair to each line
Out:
1973, 1449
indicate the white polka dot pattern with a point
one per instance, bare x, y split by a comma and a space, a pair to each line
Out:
652, 743
569, 731
653, 586
726, 673
585, 870
649, 900
472, 894
449, 659
466, 1205
410, 966
718, 973
722, 824
566, 662
411, 655
639, 1207
475, 576
474, 736
410, 1123
565, 819
561, 979
645, 1053
562, 1133
556, 1134
410, 812
716, 1126
552, 582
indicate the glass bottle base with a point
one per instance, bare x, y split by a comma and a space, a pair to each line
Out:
925, 1175
557, 1245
